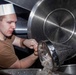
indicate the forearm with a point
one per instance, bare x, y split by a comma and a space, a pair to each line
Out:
21, 43
28, 61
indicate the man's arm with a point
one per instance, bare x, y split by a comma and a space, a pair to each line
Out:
28, 61
17, 41
25, 62
30, 43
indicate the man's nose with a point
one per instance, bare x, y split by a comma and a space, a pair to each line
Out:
13, 25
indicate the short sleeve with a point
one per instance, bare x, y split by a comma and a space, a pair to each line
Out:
7, 57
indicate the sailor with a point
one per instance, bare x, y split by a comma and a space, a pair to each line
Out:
8, 58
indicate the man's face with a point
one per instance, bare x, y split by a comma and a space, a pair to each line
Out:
7, 25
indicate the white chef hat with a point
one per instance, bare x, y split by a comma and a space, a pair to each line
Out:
6, 9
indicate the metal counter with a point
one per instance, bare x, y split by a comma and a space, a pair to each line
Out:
25, 72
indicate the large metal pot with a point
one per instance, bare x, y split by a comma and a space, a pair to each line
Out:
54, 20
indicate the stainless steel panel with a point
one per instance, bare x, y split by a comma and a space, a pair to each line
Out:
21, 26
69, 69
25, 4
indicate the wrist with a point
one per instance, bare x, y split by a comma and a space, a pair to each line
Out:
35, 56
36, 53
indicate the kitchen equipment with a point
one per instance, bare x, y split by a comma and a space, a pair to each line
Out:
25, 72
54, 20
52, 55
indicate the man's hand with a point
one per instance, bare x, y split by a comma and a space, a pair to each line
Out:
31, 43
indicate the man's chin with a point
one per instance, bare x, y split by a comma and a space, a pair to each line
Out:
9, 35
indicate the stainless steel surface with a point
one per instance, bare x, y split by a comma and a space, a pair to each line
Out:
69, 69
35, 22
21, 71
53, 20
25, 4
21, 26
25, 72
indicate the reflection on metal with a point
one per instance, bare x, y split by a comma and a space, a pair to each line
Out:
35, 23
57, 25
25, 4
21, 26
69, 69
21, 30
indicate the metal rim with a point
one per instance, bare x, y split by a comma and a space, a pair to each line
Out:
31, 17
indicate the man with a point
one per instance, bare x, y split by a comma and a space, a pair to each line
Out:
8, 58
